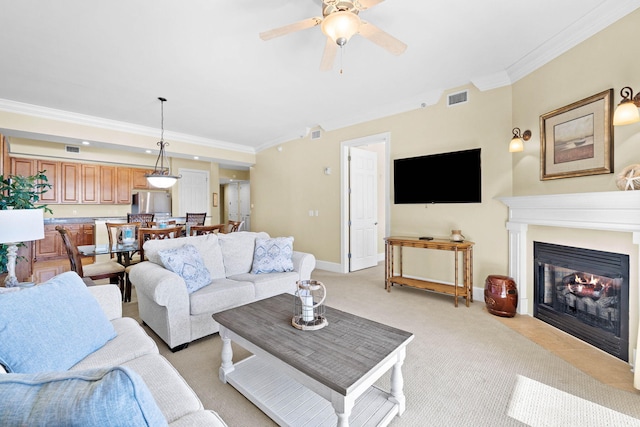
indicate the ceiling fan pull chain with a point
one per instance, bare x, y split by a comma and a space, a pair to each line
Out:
341, 54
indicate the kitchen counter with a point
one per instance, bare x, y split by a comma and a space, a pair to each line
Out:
84, 220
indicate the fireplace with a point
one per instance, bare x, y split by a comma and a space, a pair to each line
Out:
585, 293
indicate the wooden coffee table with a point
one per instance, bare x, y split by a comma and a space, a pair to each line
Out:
313, 378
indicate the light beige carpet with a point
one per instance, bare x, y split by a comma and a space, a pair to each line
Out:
463, 368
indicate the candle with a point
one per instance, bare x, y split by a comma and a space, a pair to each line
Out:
307, 305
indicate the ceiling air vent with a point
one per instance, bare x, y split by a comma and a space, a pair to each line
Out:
315, 134
457, 98
72, 149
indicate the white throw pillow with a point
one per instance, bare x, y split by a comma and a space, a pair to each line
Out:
273, 255
187, 263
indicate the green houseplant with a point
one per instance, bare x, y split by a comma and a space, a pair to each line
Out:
21, 192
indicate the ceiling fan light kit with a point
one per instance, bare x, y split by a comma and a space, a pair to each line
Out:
340, 21
341, 26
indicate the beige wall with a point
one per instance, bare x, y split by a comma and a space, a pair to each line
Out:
287, 184
600, 63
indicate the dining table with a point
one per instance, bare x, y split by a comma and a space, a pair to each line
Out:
123, 252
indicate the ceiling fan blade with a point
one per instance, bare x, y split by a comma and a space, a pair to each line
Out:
366, 4
381, 38
287, 29
329, 55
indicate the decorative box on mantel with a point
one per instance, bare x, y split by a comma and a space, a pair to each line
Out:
609, 211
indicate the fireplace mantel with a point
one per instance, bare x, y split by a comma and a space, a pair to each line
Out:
609, 211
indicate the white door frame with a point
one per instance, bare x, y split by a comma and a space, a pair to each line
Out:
344, 190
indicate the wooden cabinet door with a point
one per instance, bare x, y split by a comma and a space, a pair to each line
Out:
51, 246
85, 234
139, 180
70, 183
90, 183
22, 167
123, 184
51, 170
108, 186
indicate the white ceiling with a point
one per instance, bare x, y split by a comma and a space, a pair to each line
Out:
226, 87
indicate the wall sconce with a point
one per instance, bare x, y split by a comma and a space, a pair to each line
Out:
517, 141
627, 111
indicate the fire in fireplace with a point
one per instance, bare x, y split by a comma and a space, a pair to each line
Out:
585, 293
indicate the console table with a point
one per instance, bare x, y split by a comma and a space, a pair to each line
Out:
464, 248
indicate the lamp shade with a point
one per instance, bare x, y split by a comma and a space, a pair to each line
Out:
341, 26
21, 225
626, 113
161, 181
516, 145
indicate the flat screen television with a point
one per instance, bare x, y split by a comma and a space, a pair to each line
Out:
453, 177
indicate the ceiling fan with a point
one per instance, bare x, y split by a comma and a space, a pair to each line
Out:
340, 21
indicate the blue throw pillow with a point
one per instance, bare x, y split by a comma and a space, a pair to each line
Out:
104, 397
186, 262
273, 255
52, 326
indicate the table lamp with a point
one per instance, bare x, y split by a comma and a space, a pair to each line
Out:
19, 225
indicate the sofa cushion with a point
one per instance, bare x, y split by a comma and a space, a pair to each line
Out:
268, 285
207, 245
169, 389
221, 294
237, 250
131, 342
186, 262
273, 255
52, 326
115, 396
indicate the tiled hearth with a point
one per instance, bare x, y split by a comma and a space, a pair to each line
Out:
617, 211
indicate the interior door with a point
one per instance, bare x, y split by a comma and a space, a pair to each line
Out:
194, 191
363, 202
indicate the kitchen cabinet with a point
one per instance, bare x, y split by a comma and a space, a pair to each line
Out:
90, 179
51, 170
123, 186
79, 183
108, 186
70, 182
23, 167
139, 179
51, 247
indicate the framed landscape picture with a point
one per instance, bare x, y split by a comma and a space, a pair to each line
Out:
577, 140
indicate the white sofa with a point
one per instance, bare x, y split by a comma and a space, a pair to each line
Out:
180, 317
40, 397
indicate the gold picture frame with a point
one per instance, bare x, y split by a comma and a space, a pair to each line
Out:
215, 200
577, 140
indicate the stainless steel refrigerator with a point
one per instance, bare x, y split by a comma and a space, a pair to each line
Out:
157, 202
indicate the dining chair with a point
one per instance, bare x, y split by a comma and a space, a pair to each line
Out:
234, 226
114, 232
98, 270
147, 233
198, 230
197, 218
142, 218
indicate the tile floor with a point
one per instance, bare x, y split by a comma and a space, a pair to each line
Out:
589, 359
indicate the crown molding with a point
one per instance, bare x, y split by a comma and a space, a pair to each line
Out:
586, 26
98, 122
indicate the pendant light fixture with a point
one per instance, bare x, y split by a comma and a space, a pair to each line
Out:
161, 177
